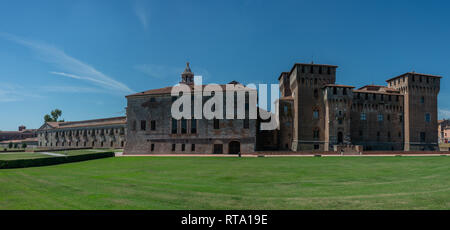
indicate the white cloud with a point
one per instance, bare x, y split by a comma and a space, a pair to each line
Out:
141, 12
13, 93
444, 113
71, 66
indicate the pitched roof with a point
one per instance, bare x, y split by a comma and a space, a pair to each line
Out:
88, 123
168, 90
336, 85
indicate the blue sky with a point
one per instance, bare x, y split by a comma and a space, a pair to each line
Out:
84, 56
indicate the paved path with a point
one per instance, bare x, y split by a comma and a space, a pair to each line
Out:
53, 154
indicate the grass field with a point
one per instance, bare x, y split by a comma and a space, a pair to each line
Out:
20, 155
30, 155
232, 183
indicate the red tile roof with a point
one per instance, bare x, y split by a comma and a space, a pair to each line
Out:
168, 90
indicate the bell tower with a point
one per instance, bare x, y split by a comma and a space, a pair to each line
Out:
187, 77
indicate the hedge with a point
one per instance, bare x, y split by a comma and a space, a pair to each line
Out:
24, 163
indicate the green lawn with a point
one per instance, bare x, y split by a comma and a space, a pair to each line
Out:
20, 155
232, 183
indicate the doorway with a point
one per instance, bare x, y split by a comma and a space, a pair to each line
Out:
340, 138
234, 147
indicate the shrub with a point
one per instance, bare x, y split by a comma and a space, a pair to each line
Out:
24, 163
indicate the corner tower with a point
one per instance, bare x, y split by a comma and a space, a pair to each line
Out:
420, 109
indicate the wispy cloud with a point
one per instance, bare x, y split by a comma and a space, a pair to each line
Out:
169, 72
159, 71
70, 89
141, 11
13, 93
444, 113
69, 66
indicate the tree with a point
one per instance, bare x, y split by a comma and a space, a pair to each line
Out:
10, 145
24, 145
16, 145
53, 117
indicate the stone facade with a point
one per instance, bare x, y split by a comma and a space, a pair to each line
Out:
152, 129
400, 116
99, 133
21, 134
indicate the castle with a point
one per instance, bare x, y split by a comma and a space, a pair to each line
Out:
315, 114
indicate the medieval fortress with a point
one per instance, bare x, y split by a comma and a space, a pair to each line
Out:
312, 114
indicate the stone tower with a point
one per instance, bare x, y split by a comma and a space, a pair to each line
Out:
306, 83
187, 77
420, 109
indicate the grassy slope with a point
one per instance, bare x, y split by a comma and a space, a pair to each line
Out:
20, 155
232, 183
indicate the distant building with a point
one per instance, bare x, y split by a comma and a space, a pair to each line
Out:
152, 129
98, 133
29, 142
21, 134
444, 131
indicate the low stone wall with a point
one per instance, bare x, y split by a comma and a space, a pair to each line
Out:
331, 153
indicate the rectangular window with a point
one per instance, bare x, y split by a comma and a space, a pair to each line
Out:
183, 126
193, 148
216, 123
174, 126
316, 114
152, 147
400, 118
427, 117
183, 146
133, 126
360, 133
316, 147
316, 134
193, 126
246, 123
422, 136
173, 147
153, 125
380, 117
143, 125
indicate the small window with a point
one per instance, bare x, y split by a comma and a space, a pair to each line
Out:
380, 117
316, 147
316, 134
422, 136
344, 91
311, 69
173, 147
193, 126
316, 93
246, 123
316, 114
193, 147
427, 117
143, 125
360, 133
399, 134
183, 126
388, 117
422, 100
363, 116
183, 147
152, 147
216, 123
334, 90
174, 126
153, 125
133, 126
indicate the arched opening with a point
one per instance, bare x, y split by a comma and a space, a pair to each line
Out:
340, 138
234, 147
